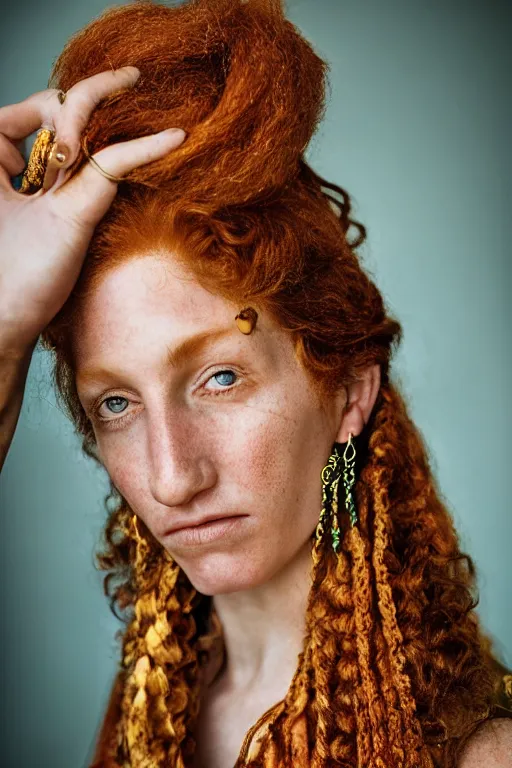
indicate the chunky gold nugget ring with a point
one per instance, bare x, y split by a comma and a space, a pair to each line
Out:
46, 159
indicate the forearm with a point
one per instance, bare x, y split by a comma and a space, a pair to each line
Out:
14, 365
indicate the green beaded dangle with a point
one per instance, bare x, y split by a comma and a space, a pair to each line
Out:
330, 478
331, 475
335, 528
349, 478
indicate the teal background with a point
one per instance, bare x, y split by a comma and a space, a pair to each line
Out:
417, 131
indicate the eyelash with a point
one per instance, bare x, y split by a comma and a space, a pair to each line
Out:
225, 391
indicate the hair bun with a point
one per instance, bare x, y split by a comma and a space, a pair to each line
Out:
237, 76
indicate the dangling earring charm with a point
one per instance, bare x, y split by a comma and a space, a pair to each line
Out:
331, 474
335, 528
349, 478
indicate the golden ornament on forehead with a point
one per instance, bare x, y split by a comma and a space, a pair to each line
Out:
246, 320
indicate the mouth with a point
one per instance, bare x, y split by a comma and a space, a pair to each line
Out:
198, 533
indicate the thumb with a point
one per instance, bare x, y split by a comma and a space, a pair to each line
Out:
88, 195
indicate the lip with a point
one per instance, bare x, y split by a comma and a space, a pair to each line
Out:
206, 531
198, 523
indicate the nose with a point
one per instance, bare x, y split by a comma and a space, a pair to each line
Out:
179, 465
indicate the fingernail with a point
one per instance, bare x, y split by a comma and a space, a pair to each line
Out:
60, 154
178, 132
131, 70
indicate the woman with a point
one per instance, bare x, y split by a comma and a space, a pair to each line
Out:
224, 356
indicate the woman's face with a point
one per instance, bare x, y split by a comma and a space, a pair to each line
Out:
195, 420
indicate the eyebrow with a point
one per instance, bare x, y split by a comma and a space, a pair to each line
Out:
176, 357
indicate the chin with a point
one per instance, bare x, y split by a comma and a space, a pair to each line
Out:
222, 572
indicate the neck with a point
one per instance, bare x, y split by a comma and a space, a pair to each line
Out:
264, 627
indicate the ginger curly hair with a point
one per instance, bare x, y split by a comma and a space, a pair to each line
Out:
395, 670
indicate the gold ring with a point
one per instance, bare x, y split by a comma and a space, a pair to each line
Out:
37, 163
47, 156
100, 169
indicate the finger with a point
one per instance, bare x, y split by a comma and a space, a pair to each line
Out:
57, 160
17, 121
11, 158
74, 114
89, 190
44, 108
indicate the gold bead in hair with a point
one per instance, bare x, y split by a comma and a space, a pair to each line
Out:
246, 320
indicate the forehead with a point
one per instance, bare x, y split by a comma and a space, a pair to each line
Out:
146, 290
153, 283
148, 305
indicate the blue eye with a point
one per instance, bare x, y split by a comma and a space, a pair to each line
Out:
116, 404
224, 374
226, 380
109, 400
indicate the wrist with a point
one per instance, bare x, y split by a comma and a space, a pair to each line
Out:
14, 349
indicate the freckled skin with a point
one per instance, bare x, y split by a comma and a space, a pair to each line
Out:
186, 452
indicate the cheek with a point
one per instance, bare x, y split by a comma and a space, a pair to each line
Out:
258, 459
254, 440
277, 454
124, 462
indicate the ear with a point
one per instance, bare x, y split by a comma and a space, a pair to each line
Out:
360, 399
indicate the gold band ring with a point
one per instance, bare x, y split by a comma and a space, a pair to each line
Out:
98, 167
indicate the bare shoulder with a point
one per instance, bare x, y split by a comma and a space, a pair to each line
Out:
489, 746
